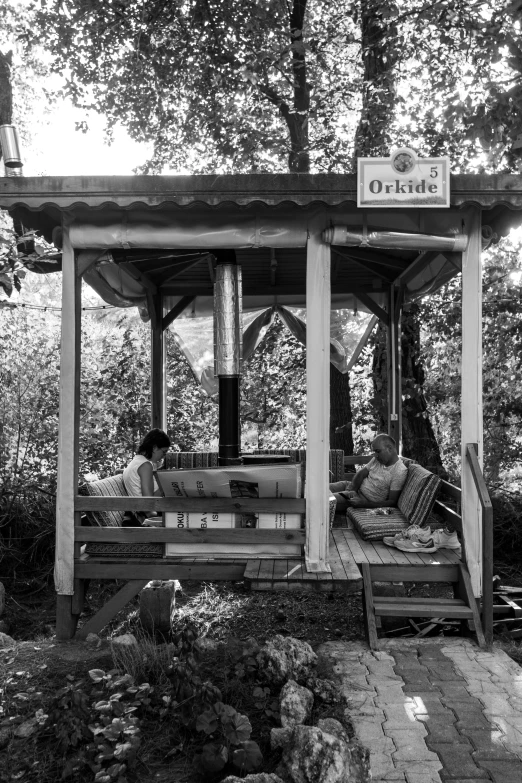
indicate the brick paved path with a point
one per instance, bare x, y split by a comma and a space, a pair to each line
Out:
432, 712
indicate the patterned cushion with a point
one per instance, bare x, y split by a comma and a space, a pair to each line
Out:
372, 526
97, 549
418, 494
113, 487
336, 459
191, 459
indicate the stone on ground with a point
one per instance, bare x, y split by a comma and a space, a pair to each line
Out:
6, 641
296, 704
315, 756
127, 640
285, 658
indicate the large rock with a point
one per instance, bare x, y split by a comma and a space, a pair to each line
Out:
127, 641
325, 690
284, 658
296, 704
315, 756
6, 641
256, 777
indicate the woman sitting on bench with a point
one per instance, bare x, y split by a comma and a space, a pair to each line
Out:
138, 475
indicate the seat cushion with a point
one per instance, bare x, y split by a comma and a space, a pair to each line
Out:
418, 494
372, 526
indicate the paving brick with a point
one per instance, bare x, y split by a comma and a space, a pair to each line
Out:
457, 761
430, 769
497, 704
487, 742
423, 777
439, 730
381, 765
426, 702
367, 729
431, 652
403, 722
454, 690
503, 771
469, 717
444, 672
419, 685
411, 747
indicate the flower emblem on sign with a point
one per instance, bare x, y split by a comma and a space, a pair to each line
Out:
403, 161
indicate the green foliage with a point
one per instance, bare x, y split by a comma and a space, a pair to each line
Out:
273, 392
96, 726
502, 368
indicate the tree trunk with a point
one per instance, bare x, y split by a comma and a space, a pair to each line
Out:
419, 441
6, 92
340, 411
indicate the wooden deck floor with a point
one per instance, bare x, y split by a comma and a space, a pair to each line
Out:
347, 551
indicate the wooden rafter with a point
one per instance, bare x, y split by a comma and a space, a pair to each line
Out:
176, 310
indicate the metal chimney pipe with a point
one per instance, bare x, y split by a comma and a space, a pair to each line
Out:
10, 147
227, 354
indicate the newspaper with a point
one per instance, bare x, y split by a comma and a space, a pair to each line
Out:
256, 481
235, 481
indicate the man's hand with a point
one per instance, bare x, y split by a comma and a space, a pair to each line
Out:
357, 501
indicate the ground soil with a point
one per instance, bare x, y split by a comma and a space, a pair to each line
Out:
32, 672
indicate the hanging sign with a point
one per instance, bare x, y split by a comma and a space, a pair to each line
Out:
403, 180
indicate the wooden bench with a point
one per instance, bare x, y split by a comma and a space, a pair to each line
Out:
381, 563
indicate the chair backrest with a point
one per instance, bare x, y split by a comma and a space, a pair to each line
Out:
112, 486
209, 459
418, 494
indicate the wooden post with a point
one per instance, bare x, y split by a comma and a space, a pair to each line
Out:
158, 391
471, 400
68, 436
394, 368
318, 296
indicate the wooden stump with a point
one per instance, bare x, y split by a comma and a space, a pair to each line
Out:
157, 602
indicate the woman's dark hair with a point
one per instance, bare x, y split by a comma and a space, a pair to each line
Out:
153, 438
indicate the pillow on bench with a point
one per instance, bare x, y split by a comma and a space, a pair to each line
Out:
413, 507
113, 487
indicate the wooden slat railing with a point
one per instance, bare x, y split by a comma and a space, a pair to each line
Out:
196, 505
171, 535
487, 542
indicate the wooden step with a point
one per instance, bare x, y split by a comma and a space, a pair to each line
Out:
456, 609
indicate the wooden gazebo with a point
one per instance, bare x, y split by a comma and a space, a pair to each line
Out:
151, 238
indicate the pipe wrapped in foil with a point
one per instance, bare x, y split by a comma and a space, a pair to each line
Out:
228, 332
358, 237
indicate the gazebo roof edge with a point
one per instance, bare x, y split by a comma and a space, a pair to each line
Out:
69, 193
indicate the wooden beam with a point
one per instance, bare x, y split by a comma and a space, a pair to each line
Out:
182, 268
250, 288
318, 297
362, 342
202, 571
68, 433
158, 390
176, 310
471, 395
197, 505
104, 615
128, 268
420, 263
364, 255
394, 368
366, 300
171, 535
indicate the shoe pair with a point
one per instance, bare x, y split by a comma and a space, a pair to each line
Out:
422, 539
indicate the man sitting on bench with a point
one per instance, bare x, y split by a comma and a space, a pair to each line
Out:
378, 484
